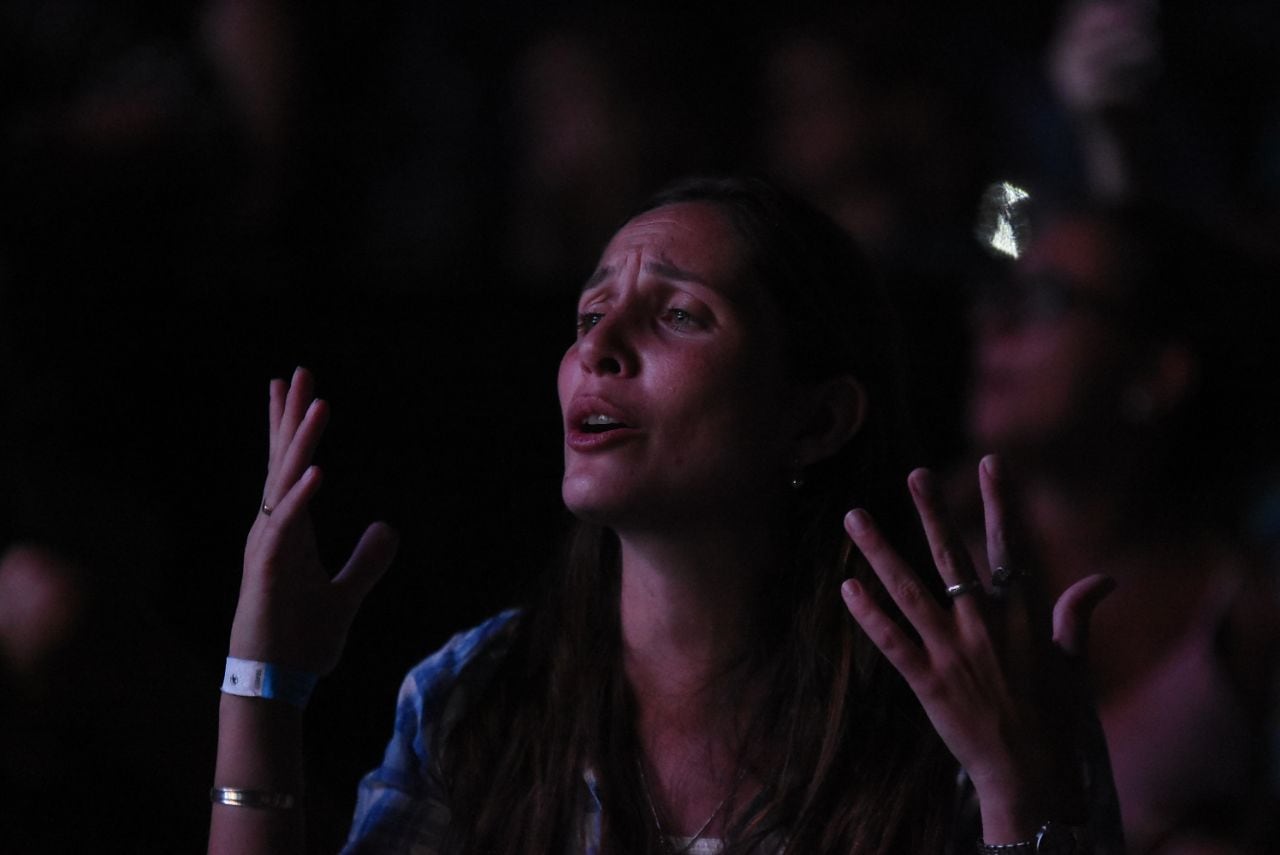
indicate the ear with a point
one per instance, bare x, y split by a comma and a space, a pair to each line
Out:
831, 414
1163, 384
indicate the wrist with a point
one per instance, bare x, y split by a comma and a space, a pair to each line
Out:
1011, 808
250, 678
1052, 838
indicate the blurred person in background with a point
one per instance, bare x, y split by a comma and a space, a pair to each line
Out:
872, 112
1176, 104
1116, 370
96, 696
579, 149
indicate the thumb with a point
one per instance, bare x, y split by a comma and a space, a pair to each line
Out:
369, 560
1075, 607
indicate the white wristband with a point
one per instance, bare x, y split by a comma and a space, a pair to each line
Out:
250, 679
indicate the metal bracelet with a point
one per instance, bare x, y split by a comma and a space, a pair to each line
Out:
1053, 838
1022, 847
261, 799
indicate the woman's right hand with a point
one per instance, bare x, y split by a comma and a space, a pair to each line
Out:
291, 612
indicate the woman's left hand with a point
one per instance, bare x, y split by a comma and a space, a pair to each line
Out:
993, 671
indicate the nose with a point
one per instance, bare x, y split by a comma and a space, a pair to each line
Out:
608, 347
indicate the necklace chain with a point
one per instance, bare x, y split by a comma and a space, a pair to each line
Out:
697, 835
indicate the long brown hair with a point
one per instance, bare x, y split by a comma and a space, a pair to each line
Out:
849, 760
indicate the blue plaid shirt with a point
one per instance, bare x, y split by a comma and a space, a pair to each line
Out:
401, 806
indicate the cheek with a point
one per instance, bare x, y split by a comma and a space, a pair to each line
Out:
741, 408
1087, 362
564, 376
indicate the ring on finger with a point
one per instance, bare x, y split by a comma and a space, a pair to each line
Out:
959, 590
1003, 576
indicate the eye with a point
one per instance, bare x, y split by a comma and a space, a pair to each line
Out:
587, 320
682, 319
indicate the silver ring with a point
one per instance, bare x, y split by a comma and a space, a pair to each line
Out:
1003, 576
956, 591
266, 509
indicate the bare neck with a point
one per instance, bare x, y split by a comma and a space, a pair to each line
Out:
688, 611
688, 607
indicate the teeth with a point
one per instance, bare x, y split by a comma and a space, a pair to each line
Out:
599, 419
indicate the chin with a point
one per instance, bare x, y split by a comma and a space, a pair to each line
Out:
587, 502
993, 425
608, 505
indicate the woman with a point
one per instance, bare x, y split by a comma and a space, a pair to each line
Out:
1109, 361
693, 675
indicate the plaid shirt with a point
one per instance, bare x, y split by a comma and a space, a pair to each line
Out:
402, 808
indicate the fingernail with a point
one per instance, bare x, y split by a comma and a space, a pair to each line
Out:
921, 483
989, 466
851, 589
857, 521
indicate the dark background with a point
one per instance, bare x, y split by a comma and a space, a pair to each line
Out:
196, 197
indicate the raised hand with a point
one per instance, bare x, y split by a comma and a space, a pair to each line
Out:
999, 691
290, 611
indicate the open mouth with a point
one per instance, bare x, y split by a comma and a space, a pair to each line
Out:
599, 423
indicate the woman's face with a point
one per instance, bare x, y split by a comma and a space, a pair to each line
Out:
674, 394
1053, 354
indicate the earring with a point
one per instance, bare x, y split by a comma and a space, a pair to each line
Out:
797, 480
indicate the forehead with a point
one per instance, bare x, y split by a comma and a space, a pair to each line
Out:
694, 238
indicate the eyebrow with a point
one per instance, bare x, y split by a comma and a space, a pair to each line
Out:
662, 268
601, 274
668, 270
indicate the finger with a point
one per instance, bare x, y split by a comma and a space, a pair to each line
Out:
1007, 552
1005, 549
917, 605
291, 506
276, 391
1004, 554
1072, 612
945, 543
299, 397
301, 450
901, 651
369, 561
994, 512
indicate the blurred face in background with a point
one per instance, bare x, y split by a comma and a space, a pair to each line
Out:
41, 605
1053, 351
